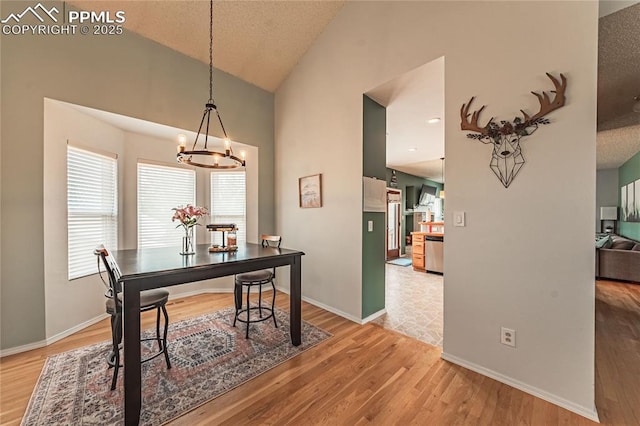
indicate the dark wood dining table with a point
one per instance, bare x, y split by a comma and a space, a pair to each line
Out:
145, 269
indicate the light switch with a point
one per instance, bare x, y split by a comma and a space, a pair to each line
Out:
458, 219
370, 226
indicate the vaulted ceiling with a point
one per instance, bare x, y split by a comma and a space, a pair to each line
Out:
261, 41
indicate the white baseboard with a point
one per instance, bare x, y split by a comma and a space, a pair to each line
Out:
23, 348
337, 311
589, 413
374, 315
201, 291
49, 340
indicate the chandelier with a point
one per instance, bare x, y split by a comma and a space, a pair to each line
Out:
198, 157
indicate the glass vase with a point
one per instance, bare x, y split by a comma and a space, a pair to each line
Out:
187, 242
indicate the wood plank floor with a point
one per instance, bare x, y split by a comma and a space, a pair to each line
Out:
369, 375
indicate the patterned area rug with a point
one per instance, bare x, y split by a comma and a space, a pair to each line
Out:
208, 355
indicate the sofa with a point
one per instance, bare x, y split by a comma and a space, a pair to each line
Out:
618, 259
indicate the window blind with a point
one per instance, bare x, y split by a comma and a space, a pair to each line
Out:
160, 189
92, 208
228, 203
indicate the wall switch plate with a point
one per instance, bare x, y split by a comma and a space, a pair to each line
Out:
370, 226
508, 337
458, 218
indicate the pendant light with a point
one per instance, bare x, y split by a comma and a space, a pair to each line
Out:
197, 157
441, 195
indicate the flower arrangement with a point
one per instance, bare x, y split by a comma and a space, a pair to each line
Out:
188, 216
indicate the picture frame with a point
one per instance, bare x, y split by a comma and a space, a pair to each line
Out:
310, 191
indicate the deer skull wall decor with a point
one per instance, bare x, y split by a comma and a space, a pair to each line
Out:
507, 158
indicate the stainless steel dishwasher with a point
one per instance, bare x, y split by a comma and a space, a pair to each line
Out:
434, 254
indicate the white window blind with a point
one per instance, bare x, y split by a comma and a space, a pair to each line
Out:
160, 189
228, 203
92, 208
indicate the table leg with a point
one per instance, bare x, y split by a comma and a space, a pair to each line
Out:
132, 370
295, 300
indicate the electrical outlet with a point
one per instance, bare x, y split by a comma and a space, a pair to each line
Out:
508, 337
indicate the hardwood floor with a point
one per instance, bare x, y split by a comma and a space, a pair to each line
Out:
366, 374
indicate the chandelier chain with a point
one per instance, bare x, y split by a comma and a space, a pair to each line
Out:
211, 51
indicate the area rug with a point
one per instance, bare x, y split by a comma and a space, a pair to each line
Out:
401, 261
208, 355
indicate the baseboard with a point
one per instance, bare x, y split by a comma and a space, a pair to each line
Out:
76, 328
23, 348
50, 340
591, 414
334, 310
201, 291
374, 316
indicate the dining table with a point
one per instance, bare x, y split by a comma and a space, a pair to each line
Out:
149, 268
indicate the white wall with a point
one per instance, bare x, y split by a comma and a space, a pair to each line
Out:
507, 267
72, 304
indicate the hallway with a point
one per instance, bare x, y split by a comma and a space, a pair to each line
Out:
414, 303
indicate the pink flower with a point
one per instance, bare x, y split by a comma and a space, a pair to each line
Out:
189, 215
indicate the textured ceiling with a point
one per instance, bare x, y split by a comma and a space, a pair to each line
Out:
618, 82
257, 41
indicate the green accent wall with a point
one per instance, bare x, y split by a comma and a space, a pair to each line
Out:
406, 183
627, 173
374, 145
125, 74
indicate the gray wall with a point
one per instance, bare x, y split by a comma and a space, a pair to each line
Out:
607, 191
125, 74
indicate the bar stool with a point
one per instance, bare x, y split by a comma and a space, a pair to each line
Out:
149, 299
256, 279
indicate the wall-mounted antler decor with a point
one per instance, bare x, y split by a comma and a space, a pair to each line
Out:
507, 158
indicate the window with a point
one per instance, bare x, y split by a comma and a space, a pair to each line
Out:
228, 201
92, 208
160, 189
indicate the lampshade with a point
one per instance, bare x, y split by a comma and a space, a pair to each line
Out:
608, 213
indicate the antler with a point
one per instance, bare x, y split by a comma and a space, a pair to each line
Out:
472, 125
546, 104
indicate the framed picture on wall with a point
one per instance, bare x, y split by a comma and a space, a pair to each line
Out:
310, 191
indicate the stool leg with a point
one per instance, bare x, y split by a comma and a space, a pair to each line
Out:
164, 337
273, 304
117, 334
260, 300
158, 328
237, 293
248, 312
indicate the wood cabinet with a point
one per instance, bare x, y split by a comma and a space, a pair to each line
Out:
427, 251
417, 251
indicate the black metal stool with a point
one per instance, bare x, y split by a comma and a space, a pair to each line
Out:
149, 299
256, 279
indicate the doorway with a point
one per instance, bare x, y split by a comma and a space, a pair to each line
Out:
394, 199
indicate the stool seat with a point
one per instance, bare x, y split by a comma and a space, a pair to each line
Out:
148, 298
251, 277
